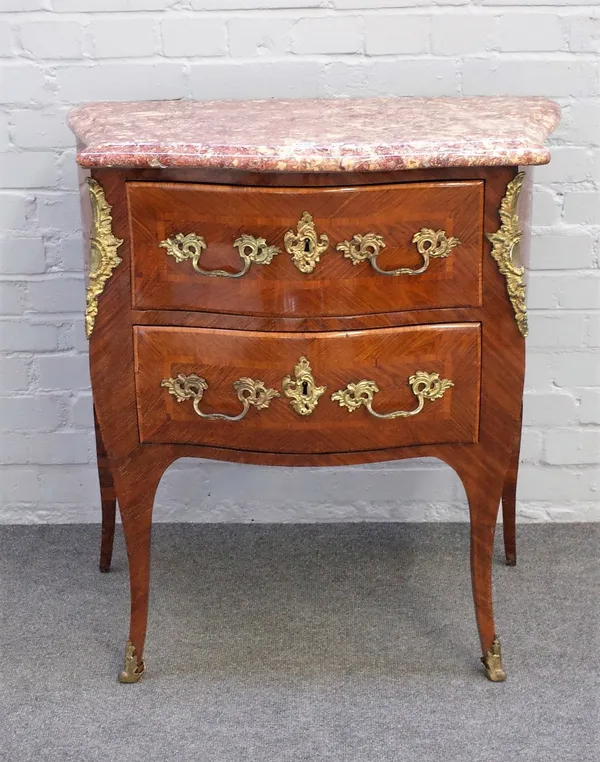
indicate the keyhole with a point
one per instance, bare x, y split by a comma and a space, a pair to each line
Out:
305, 388
307, 245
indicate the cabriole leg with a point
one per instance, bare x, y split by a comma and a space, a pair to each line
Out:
483, 493
509, 503
108, 500
136, 487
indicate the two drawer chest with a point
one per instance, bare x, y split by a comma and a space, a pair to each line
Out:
308, 283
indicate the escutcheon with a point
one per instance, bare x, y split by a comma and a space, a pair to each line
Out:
304, 245
302, 390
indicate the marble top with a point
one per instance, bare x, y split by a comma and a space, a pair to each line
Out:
335, 135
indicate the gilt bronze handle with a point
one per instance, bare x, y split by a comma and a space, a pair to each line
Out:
425, 386
190, 246
430, 243
249, 391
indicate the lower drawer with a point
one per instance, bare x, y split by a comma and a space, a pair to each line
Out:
308, 392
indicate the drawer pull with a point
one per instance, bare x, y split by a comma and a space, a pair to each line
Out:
302, 391
249, 391
304, 246
430, 244
425, 386
252, 250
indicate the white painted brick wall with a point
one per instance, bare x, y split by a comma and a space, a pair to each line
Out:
385, 36
260, 36
57, 53
41, 40
198, 37
131, 38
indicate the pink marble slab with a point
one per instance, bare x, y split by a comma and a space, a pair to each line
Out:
336, 135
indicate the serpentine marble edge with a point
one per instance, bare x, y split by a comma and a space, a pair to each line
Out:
334, 135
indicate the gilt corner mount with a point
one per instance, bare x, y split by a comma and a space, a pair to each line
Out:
103, 252
505, 249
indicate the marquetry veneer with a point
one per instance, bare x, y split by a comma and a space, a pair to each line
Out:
337, 285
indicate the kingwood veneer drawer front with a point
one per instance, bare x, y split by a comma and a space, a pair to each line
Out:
308, 393
306, 251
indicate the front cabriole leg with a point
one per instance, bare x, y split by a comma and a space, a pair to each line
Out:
136, 480
483, 484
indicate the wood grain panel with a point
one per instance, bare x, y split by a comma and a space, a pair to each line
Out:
387, 356
294, 179
336, 287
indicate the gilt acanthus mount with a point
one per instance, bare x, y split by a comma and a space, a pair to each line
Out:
505, 250
103, 252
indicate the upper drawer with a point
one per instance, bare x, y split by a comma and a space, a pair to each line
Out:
306, 251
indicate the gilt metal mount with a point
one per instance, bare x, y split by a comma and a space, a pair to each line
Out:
250, 392
304, 245
430, 243
133, 669
189, 246
425, 386
302, 390
103, 252
492, 661
505, 250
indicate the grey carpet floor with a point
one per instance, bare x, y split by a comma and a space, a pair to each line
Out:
279, 643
